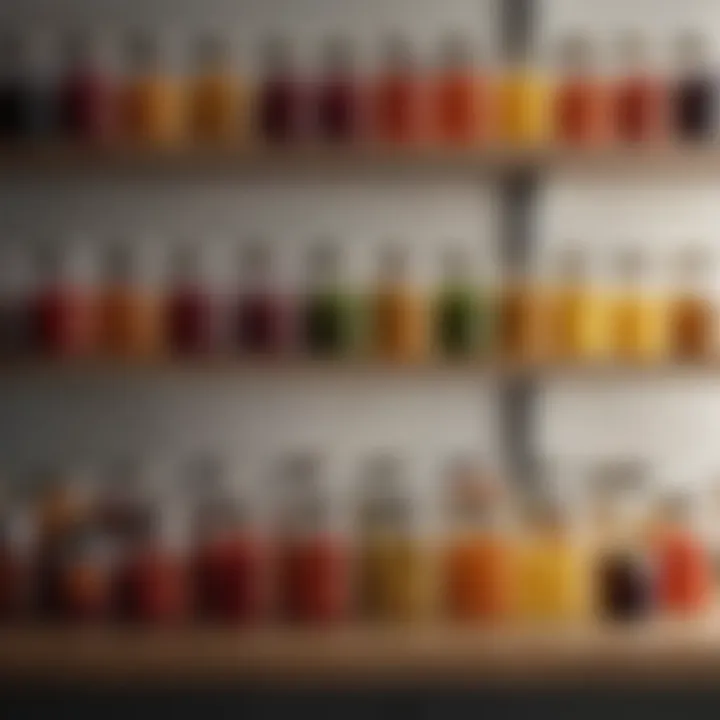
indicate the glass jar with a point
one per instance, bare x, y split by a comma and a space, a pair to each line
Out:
313, 563
191, 310
479, 561
151, 104
282, 97
463, 321
460, 96
400, 316
625, 578
581, 104
263, 317
331, 322
397, 560
231, 558
693, 316
214, 94
397, 97
87, 93
339, 94
694, 96
640, 95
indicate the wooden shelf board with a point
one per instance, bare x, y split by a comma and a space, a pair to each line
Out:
682, 651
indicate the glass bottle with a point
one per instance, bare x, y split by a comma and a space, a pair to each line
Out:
397, 559
282, 96
231, 559
339, 94
191, 311
263, 317
397, 104
694, 96
128, 315
151, 99
16, 556
639, 320
87, 93
214, 95
693, 317
641, 102
152, 584
682, 556
459, 96
479, 562
554, 572
313, 561
624, 574
62, 311
581, 310
400, 316
462, 320
524, 101
330, 318
581, 116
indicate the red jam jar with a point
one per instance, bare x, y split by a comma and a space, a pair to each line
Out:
62, 310
230, 560
282, 96
641, 103
262, 322
338, 97
191, 308
151, 579
581, 102
87, 94
313, 562
397, 98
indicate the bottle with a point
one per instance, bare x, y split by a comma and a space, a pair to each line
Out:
214, 95
479, 559
683, 559
459, 97
398, 568
151, 99
581, 311
624, 573
693, 317
524, 105
87, 93
231, 559
639, 316
554, 571
17, 540
463, 321
339, 95
330, 314
128, 315
313, 560
282, 98
152, 584
191, 311
14, 91
263, 319
641, 102
397, 96
400, 319
581, 112
16, 307
62, 311
694, 96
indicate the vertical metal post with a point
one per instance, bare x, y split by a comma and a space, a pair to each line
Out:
517, 196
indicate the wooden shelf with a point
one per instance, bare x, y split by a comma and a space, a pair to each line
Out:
660, 651
418, 160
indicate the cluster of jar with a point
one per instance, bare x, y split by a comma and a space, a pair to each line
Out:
133, 551
455, 100
122, 316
